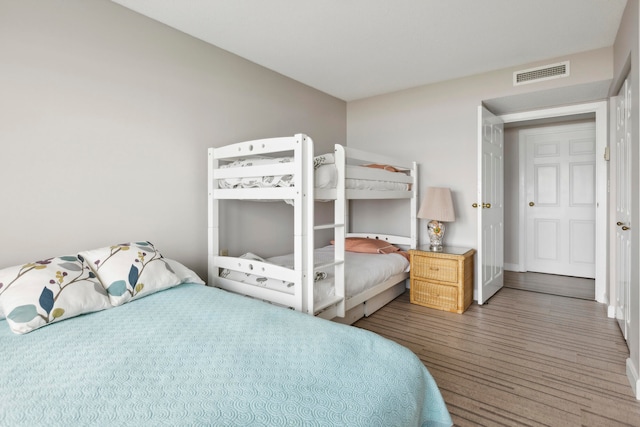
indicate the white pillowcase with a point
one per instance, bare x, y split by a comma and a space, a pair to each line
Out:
39, 293
130, 270
184, 273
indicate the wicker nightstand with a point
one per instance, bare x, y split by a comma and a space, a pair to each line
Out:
443, 279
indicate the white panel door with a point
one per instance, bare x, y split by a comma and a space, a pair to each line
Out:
622, 157
560, 180
490, 256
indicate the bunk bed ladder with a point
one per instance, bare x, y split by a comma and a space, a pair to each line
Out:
338, 303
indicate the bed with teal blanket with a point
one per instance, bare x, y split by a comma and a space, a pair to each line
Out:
197, 355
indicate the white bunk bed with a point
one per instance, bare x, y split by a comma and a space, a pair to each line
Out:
302, 180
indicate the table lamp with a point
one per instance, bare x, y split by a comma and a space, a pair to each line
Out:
437, 206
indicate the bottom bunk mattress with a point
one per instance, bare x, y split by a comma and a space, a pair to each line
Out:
195, 355
362, 271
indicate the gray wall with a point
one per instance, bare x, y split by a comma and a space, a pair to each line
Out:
437, 126
106, 120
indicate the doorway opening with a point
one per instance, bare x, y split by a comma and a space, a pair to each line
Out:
550, 212
598, 112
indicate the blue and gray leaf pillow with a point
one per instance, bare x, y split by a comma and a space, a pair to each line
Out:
39, 293
130, 270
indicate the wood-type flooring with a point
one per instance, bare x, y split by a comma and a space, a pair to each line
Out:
574, 287
523, 359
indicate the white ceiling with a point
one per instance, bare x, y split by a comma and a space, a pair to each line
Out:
354, 49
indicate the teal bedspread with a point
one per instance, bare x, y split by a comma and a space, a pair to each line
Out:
194, 355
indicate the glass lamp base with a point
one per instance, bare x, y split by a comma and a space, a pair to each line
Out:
435, 229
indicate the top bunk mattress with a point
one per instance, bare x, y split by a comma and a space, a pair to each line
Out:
380, 177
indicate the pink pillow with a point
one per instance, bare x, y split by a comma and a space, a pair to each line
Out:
369, 246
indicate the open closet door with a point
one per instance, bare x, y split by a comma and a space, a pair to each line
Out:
622, 152
490, 258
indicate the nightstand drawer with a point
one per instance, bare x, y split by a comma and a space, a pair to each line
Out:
444, 297
440, 269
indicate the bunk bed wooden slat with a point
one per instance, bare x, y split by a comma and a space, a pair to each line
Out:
255, 147
371, 194
279, 193
255, 267
391, 238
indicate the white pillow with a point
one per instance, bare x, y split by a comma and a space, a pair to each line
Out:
184, 273
38, 293
130, 270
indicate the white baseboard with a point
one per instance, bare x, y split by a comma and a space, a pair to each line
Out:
512, 267
632, 376
611, 311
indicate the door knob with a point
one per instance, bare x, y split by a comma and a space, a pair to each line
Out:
486, 205
618, 223
625, 228
475, 205
531, 203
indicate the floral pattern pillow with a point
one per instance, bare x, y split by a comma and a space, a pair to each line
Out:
39, 293
130, 270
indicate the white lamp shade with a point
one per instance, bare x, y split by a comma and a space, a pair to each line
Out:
437, 204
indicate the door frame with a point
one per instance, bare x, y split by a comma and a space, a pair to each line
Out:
600, 109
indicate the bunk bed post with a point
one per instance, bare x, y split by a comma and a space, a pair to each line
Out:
414, 206
308, 199
303, 224
213, 221
298, 228
339, 234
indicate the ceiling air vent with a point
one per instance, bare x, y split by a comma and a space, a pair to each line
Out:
546, 72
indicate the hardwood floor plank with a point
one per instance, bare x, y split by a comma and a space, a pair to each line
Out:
523, 359
574, 287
